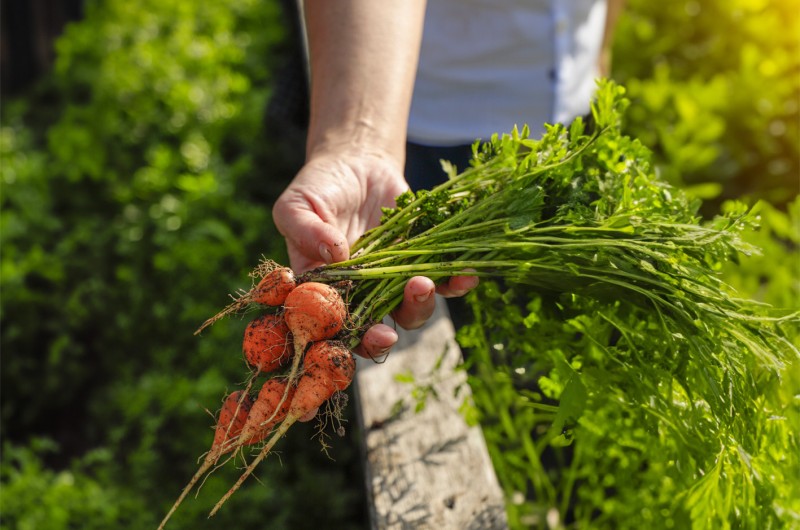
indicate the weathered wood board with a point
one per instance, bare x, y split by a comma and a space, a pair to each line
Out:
428, 469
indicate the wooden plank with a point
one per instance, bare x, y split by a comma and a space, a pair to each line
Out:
427, 469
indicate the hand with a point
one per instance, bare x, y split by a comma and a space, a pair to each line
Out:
331, 202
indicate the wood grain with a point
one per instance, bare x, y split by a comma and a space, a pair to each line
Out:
425, 469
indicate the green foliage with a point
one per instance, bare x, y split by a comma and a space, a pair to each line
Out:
134, 197
582, 214
585, 415
716, 95
66, 499
588, 424
620, 381
773, 274
594, 420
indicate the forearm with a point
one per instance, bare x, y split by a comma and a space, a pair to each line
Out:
614, 8
363, 56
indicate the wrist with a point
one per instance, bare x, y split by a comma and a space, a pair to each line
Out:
363, 58
361, 140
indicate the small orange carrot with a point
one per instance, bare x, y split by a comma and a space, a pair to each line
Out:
329, 367
265, 412
232, 418
313, 311
274, 287
275, 284
266, 344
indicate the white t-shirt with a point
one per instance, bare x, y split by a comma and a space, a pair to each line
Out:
487, 65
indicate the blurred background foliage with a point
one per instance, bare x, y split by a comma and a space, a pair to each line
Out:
137, 181
137, 176
715, 90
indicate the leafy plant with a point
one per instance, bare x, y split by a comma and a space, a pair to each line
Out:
585, 418
620, 381
66, 499
716, 97
134, 188
590, 423
577, 211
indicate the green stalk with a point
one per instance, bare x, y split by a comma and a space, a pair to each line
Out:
579, 214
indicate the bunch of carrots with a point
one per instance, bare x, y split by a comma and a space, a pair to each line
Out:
579, 212
299, 333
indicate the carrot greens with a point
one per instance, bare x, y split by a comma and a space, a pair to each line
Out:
619, 275
611, 333
582, 211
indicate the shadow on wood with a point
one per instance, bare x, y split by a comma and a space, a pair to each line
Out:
428, 468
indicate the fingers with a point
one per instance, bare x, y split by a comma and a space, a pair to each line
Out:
418, 300
310, 240
418, 303
416, 308
376, 342
457, 286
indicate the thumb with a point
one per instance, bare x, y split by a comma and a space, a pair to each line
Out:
311, 240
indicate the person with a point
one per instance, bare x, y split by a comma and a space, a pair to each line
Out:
391, 80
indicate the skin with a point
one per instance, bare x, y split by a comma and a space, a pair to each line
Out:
613, 10
363, 57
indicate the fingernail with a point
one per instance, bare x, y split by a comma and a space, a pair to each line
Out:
380, 354
423, 297
325, 253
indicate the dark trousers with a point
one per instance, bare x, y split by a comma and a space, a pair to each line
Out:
423, 166
424, 171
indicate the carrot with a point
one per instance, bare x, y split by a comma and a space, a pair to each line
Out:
275, 284
274, 287
313, 311
231, 420
265, 412
329, 367
266, 344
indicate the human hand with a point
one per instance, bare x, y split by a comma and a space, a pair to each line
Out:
332, 201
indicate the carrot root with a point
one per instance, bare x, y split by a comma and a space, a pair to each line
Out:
218, 448
284, 427
208, 463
